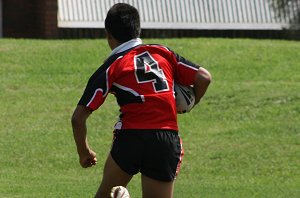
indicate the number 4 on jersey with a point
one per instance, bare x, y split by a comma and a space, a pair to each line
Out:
147, 70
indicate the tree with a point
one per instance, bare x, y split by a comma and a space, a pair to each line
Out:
287, 10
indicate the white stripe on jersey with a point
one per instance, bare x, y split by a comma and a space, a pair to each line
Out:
129, 90
107, 82
95, 93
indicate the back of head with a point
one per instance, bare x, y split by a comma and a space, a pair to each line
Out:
123, 22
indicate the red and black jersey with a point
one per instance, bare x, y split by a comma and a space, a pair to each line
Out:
142, 79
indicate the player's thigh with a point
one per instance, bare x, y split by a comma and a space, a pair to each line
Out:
113, 175
155, 188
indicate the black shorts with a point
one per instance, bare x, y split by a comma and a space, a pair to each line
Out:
154, 153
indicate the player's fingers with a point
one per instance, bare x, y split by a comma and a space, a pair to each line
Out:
90, 162
94, 161
84, 163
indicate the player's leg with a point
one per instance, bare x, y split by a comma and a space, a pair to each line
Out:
161, 163
158, 189
113, 175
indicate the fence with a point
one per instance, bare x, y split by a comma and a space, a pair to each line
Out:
185, 14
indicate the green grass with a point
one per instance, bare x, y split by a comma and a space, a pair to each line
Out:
243, 140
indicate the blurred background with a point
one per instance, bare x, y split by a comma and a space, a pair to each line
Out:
53, 19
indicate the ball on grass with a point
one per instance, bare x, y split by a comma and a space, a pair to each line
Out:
119, 192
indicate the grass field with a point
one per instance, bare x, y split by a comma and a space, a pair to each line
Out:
242, 141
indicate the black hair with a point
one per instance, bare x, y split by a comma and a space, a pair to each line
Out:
123, 22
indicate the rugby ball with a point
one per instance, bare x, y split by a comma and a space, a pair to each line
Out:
119, 192
185, 98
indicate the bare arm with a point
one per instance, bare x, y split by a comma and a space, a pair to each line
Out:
202, 81
87, 157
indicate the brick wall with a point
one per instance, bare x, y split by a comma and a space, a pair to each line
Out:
1, 33
30, 18
47, 18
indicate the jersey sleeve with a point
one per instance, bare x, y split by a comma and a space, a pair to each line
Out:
185, 70
100, 82
96, 89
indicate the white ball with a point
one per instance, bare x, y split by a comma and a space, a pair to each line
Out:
119, 192
185, 98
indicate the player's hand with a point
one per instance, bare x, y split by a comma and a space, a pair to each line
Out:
88, 159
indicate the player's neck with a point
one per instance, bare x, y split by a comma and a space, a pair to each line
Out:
114, 44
